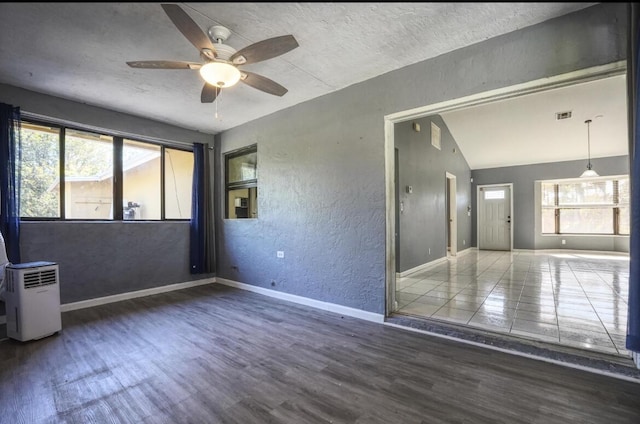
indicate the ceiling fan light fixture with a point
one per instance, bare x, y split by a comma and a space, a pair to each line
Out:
220, 74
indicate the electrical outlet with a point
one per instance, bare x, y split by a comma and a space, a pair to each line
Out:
464, 242
564, 241
280, 254
429, 250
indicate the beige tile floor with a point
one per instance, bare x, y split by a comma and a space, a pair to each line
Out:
578, 299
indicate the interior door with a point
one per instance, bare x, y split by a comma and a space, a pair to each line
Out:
452, 221
494, 217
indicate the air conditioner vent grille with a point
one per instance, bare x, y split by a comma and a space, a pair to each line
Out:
39, 278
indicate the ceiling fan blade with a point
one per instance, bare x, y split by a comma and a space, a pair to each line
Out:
263, 83
265, 49
209, 93
188, 27
164, 64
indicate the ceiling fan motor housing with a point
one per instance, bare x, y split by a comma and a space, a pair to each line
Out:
219, 33
224, 52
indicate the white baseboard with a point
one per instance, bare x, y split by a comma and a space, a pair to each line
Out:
434, 262
421, 267
636, 358
574, 251
325, 306
464, 251
132, 295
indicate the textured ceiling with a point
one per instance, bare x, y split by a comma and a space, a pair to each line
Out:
78, 51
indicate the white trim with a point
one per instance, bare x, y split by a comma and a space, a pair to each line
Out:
512, 352
432, 263
326, 306
132, 295
391, 304
542, 84
453, 212
422, 267
575, 251
478, 212
465, 251
636, 358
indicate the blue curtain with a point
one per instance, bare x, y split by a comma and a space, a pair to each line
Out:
201, 247
633, 76
10, 152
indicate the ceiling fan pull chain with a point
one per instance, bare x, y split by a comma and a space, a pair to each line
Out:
217, 98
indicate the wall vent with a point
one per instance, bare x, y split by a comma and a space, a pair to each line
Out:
563, 115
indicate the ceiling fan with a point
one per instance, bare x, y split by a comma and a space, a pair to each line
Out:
221, 62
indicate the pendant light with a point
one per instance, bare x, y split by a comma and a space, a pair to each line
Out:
589, 172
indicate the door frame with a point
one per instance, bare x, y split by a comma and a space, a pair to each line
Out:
452, 216
510, 185
570, 78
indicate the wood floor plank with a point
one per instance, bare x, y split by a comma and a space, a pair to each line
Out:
214, 354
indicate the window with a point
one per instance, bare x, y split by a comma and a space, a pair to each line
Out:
68, 173
599, 206
40, 171
88, 175
242, 183
493, 194
178, 177
141, 181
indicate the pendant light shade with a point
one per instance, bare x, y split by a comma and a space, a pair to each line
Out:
589, 172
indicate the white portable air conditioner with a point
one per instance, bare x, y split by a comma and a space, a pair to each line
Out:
32, 300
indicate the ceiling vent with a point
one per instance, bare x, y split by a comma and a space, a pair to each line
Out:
563, 115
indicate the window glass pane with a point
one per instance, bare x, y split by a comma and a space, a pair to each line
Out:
88, 175
623, 191
40, 172
624, 221
548, 221
586, 193
140, 180
243, 203
494, 194
242, 168
586, 221
548, 194
178, 183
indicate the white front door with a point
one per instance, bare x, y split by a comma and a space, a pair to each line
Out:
494, 217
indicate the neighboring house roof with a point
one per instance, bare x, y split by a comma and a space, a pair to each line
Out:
134, 159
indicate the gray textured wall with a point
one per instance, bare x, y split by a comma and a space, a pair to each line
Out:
321, 164
423, 224
63, 110
105, 258
524, 210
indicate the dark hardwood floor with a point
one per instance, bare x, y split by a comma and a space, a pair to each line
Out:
214, 354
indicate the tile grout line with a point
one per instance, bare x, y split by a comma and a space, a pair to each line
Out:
594, 309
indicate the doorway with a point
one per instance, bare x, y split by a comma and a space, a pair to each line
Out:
495, 217
452, 222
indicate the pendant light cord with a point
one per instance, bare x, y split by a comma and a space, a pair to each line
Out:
588, 122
